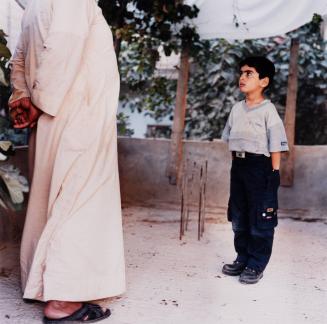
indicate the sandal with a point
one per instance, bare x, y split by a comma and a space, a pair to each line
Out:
31, 301
88, 313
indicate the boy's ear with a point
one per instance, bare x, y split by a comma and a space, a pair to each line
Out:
264, 82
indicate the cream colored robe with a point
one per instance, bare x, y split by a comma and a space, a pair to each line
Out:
72, 246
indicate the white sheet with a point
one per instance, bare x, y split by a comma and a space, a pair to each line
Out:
257, 18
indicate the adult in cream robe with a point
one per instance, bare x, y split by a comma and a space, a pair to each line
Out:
72, 245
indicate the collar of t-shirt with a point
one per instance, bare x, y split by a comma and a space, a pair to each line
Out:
262, 103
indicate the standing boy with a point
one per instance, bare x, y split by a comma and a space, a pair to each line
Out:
256, 138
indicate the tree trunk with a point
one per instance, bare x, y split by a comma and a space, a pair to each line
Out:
176, 145
288, 159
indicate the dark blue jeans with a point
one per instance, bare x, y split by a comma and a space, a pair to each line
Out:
252, 209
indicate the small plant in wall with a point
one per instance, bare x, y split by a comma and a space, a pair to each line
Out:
12, 184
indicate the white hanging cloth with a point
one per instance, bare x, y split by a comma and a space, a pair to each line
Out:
255, 18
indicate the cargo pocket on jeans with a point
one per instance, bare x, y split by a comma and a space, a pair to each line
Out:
267, 214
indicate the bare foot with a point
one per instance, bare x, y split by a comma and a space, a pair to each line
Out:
59, 309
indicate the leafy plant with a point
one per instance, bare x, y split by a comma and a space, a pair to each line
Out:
123, 126
213, 82
152, 23
4, 60
141, 28
147, 91
12, 183
18, 137
213, 85
4, 70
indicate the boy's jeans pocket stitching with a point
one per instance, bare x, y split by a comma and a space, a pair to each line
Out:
267, 213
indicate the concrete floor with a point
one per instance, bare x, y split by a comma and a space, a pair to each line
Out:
180, 282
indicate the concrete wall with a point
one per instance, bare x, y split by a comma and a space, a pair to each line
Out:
143, 164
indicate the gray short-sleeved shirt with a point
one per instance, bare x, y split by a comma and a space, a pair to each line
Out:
255, 130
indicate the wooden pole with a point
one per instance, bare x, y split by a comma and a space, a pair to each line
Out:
288, 159
176, 143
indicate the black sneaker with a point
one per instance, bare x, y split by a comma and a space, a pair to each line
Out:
234, 269
250, 276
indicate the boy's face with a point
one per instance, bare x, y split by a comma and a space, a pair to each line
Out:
250, 82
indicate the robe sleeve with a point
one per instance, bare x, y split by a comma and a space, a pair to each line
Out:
17, 76
62, 52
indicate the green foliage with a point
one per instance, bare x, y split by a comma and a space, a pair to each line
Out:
4, 85
311, 119
4, 60
12, 184
213, 85
147, 91
137, 64
123, 126
165, 21
141, 28
18, 137
157, 99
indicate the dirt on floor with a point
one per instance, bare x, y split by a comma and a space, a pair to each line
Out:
172, 281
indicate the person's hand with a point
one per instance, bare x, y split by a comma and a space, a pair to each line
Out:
24, 113
24, 103
18, 112
19, 116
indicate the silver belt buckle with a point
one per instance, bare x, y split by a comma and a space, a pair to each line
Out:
240, 155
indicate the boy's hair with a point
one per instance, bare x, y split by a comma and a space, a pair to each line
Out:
263, 66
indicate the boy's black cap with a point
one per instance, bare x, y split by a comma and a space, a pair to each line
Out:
263, 66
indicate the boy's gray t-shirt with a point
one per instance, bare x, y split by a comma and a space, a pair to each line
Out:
255, 130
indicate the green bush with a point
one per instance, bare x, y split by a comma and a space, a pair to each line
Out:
213, 86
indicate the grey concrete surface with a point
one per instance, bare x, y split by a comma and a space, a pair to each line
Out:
180, 282
143, 163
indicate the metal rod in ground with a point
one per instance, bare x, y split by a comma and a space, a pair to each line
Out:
204, 196
203, 212
199, 218
190, 192
187, 212
181, 229
200, 205
182, 218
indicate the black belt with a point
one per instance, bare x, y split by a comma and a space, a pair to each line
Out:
243, 155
